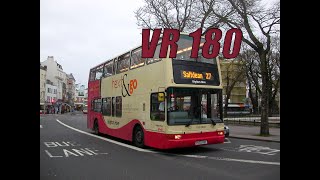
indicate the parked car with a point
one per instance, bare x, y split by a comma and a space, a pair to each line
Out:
226, 131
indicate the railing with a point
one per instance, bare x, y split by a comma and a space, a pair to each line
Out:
251, 119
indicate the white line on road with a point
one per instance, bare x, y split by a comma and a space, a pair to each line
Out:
184, 155
105, 139
41, 126
244, 160
49, 154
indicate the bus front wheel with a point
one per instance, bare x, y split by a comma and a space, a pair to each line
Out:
138, 137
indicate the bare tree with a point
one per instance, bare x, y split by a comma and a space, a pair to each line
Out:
274, 74
257, 21
253, 75
254, 20
165, 14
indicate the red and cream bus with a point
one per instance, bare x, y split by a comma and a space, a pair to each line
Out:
162, 103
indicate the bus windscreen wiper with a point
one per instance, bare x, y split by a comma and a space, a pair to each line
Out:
195, 112
213, 122
188, 124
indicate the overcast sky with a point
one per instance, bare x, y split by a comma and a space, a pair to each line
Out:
83, 33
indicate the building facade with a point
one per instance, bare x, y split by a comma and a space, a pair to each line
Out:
51, 93
43, 77
230, 71
81, 96
71, 89
56, 75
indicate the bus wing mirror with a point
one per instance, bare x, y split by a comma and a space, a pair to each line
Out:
160, 97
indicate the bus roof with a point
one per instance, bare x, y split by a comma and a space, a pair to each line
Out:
181, 33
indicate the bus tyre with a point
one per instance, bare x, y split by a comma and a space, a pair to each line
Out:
138, 137
96, 127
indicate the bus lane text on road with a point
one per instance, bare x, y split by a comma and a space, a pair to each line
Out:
69, 149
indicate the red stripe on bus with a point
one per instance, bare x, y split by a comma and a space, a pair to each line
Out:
159, 140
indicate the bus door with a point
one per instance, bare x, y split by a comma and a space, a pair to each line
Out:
157, 111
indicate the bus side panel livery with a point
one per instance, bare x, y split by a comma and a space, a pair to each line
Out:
93, 95
162, 103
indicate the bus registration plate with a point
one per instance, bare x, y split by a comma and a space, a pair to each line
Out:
201, 142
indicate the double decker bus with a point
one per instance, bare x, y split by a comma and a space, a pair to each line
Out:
157, 102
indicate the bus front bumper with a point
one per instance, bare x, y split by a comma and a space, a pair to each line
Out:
170, 141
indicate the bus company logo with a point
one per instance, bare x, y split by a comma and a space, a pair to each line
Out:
127, 86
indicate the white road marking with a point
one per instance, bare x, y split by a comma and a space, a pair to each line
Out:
184, 155
244, 160
193, 156
258, 149
49, 154
41, 126
105, 139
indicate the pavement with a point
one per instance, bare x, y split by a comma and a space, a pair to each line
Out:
252, 132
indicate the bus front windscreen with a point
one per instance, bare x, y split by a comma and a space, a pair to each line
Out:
187, 106
184, 51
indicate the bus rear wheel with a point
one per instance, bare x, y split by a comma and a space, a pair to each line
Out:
138, 137
96, 127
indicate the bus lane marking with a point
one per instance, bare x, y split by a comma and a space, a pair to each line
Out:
253, 149
68, 152
181, 155
105, 139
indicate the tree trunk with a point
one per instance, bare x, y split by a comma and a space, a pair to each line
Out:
270, 97
254, 102
225, 106
264, 128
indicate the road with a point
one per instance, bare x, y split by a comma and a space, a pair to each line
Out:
68, 150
